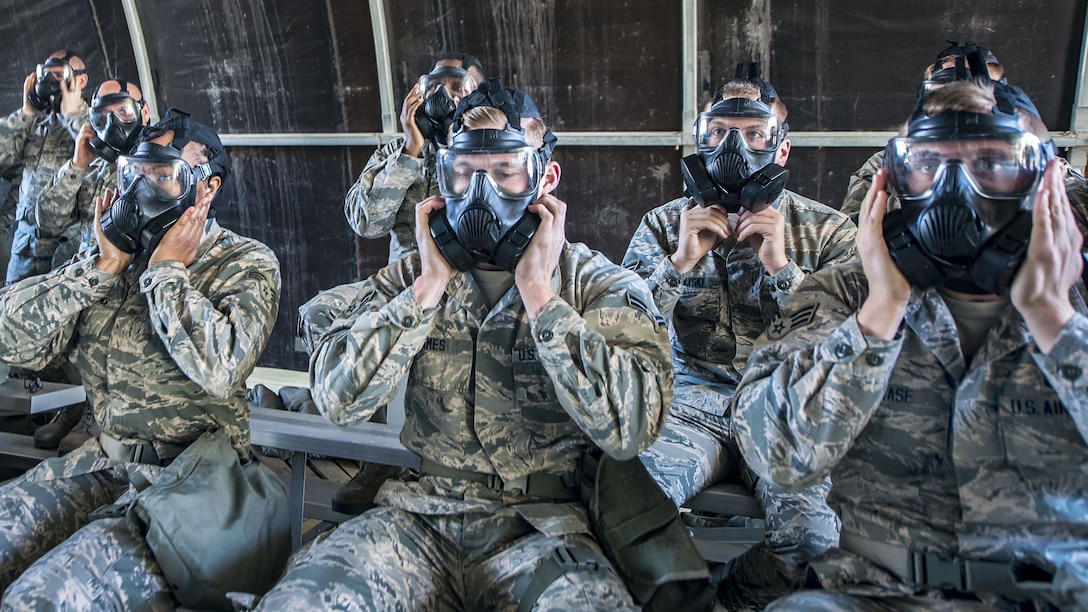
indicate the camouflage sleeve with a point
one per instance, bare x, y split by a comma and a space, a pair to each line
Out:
317, 316
14, 131
38, 314
648, 256
215, 339
832, 237
357, 364
56, 208
373, 201
1066, 369
811, 384
73, 122
860, 181
610, 364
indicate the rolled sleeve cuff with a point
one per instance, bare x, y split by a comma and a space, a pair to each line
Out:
1067, 361
84, 277
848, 344
407, 166
163, 272
666, 276
553, 324
405, 313
785, 282
70, 174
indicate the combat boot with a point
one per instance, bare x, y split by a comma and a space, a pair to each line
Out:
50, 434
357, 494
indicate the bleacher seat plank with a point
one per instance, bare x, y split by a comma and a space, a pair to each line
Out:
18, 451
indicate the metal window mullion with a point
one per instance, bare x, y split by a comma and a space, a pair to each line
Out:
385, 73
143, 64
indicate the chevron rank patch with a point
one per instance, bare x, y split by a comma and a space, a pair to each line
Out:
799, 318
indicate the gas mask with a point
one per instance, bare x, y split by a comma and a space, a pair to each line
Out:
46, 92
156, 187
736, 140
488, 179
116, 121
442, 89
967, 183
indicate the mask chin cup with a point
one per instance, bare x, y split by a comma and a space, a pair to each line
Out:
122, 214
698, 181
758, 191
446, 240
763, 187
997, 264
511, 246
919, 269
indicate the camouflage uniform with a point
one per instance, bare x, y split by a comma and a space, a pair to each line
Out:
717, 311
164, 353
383, 200
862, 179
490, 392
13, 176
927, 452
40, 145
68, 202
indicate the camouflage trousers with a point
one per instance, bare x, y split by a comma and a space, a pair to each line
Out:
392, 559
697, 449
54, 555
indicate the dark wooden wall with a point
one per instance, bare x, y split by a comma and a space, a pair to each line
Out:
276, 66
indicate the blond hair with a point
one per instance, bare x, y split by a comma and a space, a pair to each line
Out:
488, 117
977, 97
746, 89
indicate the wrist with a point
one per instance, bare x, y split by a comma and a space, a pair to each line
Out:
429, 289
880, 318
1046, 321
682, 265
776, 265
535, 296
110, 265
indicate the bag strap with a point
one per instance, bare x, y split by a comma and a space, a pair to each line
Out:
573, 556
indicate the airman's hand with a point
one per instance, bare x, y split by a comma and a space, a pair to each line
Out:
436, 271
110, 258
765, 231
889, 291
700, 229
28, 86
181, 241
1040, 290
84, 154
413, 137
533, 274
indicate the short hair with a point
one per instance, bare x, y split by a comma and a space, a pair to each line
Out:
479, 117
467, 61
746, 89
973, 96
961, 96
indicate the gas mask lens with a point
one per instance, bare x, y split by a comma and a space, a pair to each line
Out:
452, 82
121, 106
759, 134
1007, 166
171, 179
513, 174
56, 69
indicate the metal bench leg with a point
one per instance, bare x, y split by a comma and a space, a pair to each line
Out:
298, 496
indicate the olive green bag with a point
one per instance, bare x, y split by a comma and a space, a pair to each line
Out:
215, 524
640, 530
